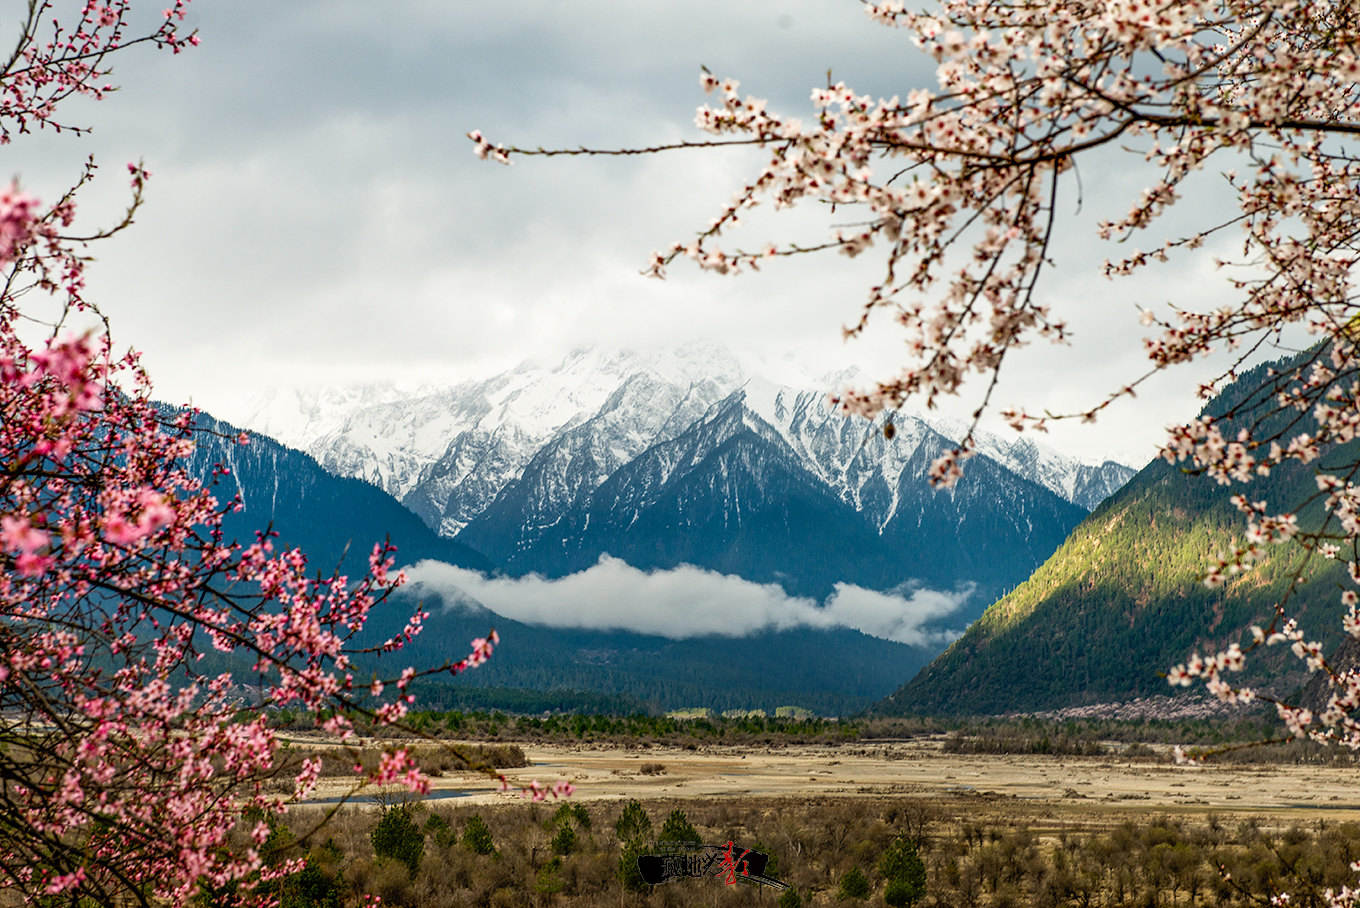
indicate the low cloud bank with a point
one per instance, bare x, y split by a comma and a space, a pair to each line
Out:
690, 602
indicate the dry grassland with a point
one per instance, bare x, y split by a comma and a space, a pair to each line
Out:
919, 768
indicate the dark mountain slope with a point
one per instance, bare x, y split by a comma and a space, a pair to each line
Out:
324, 514
334, 520
1122, 599
992, 527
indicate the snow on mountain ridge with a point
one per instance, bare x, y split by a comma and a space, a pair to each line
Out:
1082, 482
844, 453
299, 416
448, 452
589, 392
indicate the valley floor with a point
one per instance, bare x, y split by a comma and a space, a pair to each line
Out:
920, 768
992, 831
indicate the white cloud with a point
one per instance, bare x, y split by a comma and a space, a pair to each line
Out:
895, 616
689, 602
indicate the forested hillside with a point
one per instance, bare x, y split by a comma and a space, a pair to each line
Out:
1123, 599
334, 519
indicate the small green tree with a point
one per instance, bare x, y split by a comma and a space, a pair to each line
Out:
902, 894
630, 877
790, 899
854, 885
398, 837
633, 828
572, 813
444, 834
678, 829
310, 887
314, 886
477, 837
634, 824
771, 865
905, 872
565, 840
549, 878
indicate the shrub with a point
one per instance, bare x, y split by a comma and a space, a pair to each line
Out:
573, 813
790, 899
772, 862
398, 837
549, 877
392, 885
310, 887
444, 834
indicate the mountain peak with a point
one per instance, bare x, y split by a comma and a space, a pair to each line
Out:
449, 451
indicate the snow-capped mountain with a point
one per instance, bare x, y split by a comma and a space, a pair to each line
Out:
770, 487
1083, 484
593, 430
660, 459
447, 453
299, 416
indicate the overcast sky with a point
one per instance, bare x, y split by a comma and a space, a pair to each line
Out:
316, 214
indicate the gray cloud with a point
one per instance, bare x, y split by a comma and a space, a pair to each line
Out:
316, 214
690, 602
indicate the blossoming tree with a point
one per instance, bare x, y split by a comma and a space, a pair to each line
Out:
125, 768
959, 188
